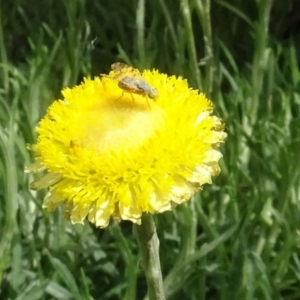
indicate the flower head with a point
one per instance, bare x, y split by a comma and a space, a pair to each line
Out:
106, 152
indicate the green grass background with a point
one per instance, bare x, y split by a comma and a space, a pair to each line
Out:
239, 238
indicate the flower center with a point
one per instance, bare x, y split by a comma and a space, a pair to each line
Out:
119, 125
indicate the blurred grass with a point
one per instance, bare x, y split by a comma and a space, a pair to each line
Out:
239, 238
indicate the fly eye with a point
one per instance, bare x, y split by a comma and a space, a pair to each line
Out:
153, 93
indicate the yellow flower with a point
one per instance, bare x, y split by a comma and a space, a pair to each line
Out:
108, 153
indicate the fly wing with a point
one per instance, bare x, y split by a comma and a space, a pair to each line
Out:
122, 70
117, 66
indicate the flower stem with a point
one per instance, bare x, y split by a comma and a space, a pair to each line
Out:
149, 249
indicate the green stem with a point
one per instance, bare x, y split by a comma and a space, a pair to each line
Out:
149, 249
203, 11
187, 20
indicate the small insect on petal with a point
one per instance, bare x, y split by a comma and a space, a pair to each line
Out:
130, 80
